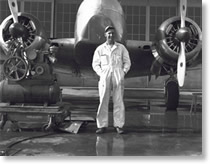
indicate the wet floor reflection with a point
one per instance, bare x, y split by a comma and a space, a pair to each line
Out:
170, 121
176, 121
149, 144
106, 145
148, 134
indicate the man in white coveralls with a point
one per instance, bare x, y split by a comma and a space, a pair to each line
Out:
111, 62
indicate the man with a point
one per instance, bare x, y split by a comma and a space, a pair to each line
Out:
111, 62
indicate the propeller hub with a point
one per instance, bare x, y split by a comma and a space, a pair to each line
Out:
17, 30
183, 34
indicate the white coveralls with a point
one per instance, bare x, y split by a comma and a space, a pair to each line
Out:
111, 64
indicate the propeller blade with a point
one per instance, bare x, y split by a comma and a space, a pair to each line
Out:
181, 65
183, 11
13, 9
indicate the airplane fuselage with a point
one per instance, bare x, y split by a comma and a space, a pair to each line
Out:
91, 20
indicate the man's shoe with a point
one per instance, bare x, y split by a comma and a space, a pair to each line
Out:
120, 130
100, 130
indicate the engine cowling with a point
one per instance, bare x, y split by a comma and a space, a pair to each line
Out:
169, 36
34, 38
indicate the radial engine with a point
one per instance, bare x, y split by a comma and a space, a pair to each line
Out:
27, 69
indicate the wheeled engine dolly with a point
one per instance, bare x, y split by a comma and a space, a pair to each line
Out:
30, 93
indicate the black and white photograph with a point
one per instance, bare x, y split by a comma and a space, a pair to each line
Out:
101, 78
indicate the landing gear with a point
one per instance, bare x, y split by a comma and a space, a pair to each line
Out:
171, 94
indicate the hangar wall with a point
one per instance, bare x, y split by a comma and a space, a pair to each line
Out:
143, 18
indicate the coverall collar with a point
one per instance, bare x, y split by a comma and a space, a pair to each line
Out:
113, 47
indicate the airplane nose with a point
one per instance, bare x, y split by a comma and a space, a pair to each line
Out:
95, 30
93, 17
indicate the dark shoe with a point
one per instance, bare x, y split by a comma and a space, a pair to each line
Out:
100, 130
120, 130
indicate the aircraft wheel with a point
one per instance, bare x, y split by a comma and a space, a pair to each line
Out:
15, 68
171, 95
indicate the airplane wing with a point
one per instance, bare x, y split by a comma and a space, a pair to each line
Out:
141, 57
82, 53
144, 57
85, 48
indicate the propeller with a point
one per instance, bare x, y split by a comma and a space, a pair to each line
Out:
17, 30
13, 9
181, 64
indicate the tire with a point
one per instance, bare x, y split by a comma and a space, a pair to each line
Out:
172, 95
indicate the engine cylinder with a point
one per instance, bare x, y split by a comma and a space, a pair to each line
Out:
31, 93
170, 35
29, 28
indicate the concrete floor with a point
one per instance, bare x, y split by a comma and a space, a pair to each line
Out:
149, 132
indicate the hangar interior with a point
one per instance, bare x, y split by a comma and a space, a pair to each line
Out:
151, 130
142, 20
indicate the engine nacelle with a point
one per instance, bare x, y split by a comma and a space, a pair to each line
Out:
169, 36
34, 38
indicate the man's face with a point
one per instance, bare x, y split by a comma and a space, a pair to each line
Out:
110, 35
